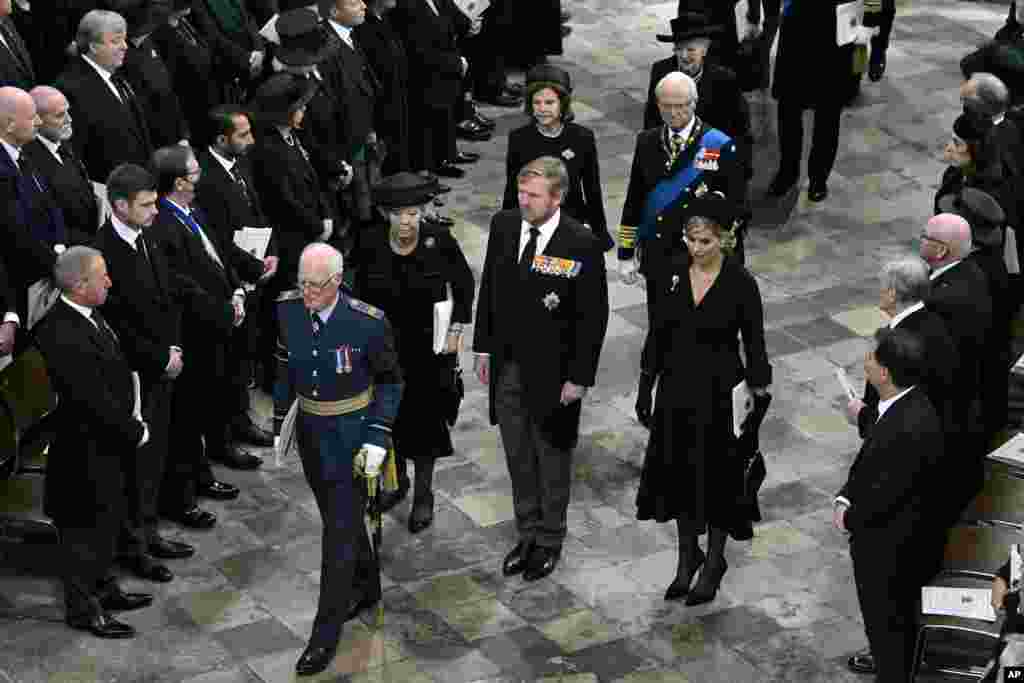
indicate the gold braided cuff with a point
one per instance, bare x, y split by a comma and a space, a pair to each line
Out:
627, 237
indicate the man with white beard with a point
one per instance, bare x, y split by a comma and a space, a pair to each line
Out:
53, 158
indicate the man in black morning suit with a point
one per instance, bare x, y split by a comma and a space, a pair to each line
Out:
203, 400
889, 498
52, 155
229, 201
143, 306
540, 325
16, 66
111, 126
97, 433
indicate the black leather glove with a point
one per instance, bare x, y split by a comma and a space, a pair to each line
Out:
753, 422
643, 399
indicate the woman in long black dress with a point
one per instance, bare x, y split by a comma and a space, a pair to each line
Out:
693, 472
404, 270
552, 133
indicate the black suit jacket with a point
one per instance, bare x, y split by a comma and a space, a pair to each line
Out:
325, 131
808, 37
562, 341
8, 298
386, 56
431, 41
70, 189
16, 67
227, 210
230, 49
148, 74
143, 308
719, 102
95, 427
193, 74
894, 482
289, 188
353, 83
107, 132
943, 363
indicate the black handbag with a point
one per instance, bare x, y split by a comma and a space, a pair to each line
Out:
452, 388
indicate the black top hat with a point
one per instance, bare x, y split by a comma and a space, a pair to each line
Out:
146, 17
404, 189
302, 42
548, 73
691, 25
971, 129
981, 211
281, 95
714, 207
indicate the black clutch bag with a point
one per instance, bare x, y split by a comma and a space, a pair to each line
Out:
452, 388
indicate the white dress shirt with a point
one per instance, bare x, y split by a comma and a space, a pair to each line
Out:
939, 271
546, 230
325, 314
344, 32
52, 147
904, 314
228, 164
105, 75
207, 244
685, 132
125, 232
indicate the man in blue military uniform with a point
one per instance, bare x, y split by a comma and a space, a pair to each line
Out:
337, 359
673, 163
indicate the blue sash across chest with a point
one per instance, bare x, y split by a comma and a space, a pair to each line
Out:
669, 189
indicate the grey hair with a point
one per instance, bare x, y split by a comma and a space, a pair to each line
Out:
992, 92
94, 24
908, 278
676, 78
551, 169
334, 258
73, 266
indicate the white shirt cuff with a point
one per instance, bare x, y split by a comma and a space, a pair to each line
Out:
12, 317
842, 500
239, 292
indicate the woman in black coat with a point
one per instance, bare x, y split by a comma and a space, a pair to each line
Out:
552, 133
406, 266
693, 468
971, 164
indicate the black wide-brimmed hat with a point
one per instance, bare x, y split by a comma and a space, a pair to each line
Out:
981, 211
302, 42
549, 74
691, 25
404, 190
281, 95
970, 128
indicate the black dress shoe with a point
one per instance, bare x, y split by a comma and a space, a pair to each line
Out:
542, 562
145, 567
443, 189
816, 192
566, 31
251, 434
217, 490
516, 561
565, 17
166, 549
681, 584
194, 518
876, 70
449, 170
359, 605
389, 500
466, 158
485, 122
780, 186
314, 660
471, 130
422, 515
708, 583
102, 626
238, 459
862, 662
502, 99
119, 601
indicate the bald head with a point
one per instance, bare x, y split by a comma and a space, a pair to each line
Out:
18, 118
677, 99
950, 237
54, 113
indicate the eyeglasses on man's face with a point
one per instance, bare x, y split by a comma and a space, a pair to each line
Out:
312, 286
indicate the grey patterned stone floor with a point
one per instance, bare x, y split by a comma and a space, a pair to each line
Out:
241, 610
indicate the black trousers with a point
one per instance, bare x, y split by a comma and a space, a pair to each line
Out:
824, 141
884, 21
432, 138
86, 556
541, 473
144, 473
888, 592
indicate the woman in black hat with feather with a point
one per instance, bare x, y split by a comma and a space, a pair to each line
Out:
405, 268
552, 133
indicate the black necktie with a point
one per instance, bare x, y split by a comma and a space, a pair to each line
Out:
240, 181
187, 31
68, 158
529, 251
25, 166
14, 46
142, 250
104, 327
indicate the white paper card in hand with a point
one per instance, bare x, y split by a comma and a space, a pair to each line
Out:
442, 319
137, 386
253, 241
1015, 567
849, 17
473, 8
742, 405
1011, 452
966, 603
1010, 252
1018, 367
845, 383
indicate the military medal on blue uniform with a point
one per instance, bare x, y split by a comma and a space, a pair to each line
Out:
343, 359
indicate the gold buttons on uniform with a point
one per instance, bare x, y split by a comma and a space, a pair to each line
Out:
315, 392
314, 373
314, 353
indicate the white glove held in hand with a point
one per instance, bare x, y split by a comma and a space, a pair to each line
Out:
628, 271
374, 459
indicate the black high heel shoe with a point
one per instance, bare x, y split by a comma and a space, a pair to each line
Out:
681, 584
708, 583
